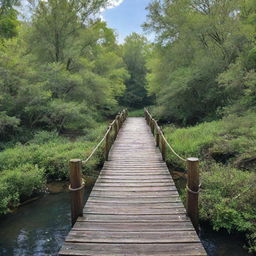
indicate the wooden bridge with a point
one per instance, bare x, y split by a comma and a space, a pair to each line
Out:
134, 207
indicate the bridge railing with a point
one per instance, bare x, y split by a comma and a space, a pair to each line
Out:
76, 186
192, 163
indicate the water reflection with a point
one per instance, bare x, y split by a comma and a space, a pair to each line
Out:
222, 243
37, 228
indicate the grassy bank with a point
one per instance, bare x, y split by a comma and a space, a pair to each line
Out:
25, 169
226, 149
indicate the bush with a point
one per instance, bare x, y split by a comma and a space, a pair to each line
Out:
227, 149
24, 169
19, 184
136, 113
42, 137
228, 200
53, 157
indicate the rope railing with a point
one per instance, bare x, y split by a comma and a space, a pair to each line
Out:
155, 127
96, 148
76, 177
117, 123
193, 185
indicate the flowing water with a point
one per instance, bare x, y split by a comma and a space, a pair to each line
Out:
39, 229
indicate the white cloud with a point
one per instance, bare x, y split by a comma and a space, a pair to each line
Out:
111, 4
114, 3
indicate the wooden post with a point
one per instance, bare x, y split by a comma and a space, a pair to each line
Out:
153, 126
107, 145
157, 136
116, 128
193, 190
121, 119
163, 147
76, 188
125, 114
117, 122
146, 116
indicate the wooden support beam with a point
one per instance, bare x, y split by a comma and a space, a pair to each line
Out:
107, 145
76, 188
163, 147
115, 128
153, 126
193, 190
157, 137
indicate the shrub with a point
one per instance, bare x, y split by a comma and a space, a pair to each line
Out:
136, 113
228, 199
227, 148
42, 137
19, 184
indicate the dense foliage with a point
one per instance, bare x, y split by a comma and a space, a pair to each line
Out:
62, 71
204, 59
59, 74
136, 51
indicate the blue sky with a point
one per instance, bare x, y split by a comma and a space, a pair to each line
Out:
124, 16
127, 17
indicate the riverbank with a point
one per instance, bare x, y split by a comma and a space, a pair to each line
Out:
26, 168
228, 175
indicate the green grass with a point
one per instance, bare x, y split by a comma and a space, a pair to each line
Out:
190, 141
233, 135
136, 113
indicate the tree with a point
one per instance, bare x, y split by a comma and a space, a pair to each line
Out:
8, 18
197, 41
57, 24
135, 54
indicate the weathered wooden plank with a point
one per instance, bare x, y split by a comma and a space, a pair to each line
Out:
135, 205
135, 188
133, 227
135, 177
132, 210
132, 237
126, 194
140, 200
134, 218
103, 249
133, 184
131, 180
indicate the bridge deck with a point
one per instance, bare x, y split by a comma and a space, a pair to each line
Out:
134, 207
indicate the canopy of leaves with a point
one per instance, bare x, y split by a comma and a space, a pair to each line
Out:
198, 40
136, 51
